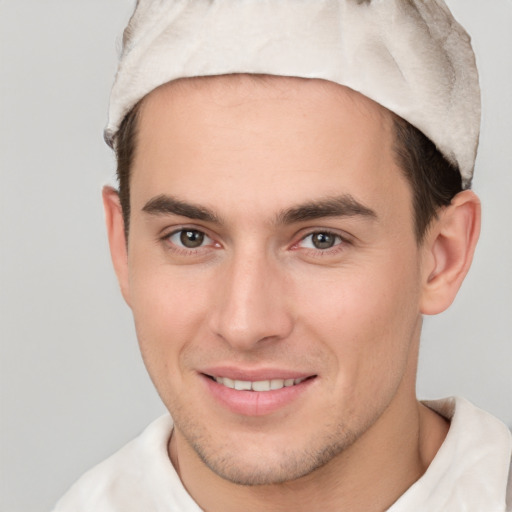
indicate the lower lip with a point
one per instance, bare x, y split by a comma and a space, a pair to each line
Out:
255, 403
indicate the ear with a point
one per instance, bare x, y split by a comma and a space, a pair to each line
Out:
449, 247
116, 238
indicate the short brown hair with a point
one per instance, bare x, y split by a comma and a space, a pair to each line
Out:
433, 179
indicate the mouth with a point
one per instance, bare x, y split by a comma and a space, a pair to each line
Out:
258, 385
259, 392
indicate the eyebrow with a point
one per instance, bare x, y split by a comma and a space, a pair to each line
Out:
168, 205
339, 206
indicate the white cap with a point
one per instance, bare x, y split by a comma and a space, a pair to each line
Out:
410, 56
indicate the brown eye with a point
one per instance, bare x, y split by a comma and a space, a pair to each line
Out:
191, 238
323, 240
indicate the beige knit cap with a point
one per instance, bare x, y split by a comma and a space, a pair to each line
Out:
410, 56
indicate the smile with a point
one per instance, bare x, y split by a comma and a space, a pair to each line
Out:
258, 394
259, 385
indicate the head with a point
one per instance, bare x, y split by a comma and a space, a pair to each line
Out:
441, 98
277, 233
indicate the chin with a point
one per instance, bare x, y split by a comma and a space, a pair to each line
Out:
259, 465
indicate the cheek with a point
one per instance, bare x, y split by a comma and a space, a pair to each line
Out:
169, 307
366, 318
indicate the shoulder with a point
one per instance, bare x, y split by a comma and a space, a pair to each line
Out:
130, 480
480, 449
471, 470
509, 489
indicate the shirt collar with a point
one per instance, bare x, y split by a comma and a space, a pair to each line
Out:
470, 471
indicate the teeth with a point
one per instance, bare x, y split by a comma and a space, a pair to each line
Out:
243, 385
229, 383
260, 385
276, 384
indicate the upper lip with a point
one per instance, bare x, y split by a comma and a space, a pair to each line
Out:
254, 374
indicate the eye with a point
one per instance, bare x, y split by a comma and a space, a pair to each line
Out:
320, 240
189, 238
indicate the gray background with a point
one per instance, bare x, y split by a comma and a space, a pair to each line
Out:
73, 388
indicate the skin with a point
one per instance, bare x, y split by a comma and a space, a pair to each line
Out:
259, 295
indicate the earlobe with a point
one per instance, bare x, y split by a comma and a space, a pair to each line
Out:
449, 249
116, 238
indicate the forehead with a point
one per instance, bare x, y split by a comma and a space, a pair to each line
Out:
230, 91
238, 137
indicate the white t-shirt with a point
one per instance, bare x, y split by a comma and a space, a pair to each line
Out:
469, 473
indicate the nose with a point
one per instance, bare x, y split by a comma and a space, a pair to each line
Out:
251, 305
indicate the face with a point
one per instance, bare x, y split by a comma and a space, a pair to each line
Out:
272, 271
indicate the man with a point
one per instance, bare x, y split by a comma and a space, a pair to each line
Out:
294, 197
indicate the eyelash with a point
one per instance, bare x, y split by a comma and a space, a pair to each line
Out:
340, 242
186, 251
339, 245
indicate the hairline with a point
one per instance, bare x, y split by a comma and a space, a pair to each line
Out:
398, 144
